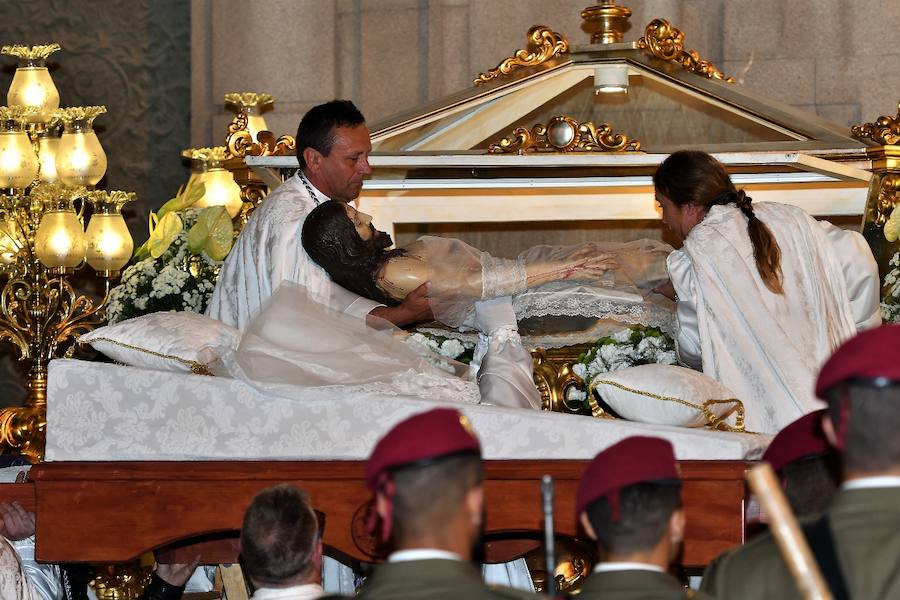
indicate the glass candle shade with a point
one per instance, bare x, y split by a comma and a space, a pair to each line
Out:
18, 162
59, 241
221, 189
48, 145
255, 122
80, 159
109, 244
33, 86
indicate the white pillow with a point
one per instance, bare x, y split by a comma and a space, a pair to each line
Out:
668, 395
168, 341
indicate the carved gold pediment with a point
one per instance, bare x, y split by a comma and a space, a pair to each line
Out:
565, 134
543, 44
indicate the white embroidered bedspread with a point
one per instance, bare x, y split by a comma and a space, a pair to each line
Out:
102, 411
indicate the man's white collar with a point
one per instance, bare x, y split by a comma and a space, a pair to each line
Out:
865, 483
422, 554
317, 194
606, 567
307, 590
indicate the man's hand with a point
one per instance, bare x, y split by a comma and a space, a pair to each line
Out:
15, 522
177, 574
415, 308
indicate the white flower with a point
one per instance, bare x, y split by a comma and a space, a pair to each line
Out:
622, 336
580, 369
666, 358
452, 348
573, 394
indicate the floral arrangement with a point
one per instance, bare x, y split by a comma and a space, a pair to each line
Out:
447, 347
627, 348
176, 268
890, 304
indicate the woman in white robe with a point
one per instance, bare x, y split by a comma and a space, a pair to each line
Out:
764, 292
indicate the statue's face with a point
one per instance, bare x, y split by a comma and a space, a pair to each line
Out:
367, 232
340, 175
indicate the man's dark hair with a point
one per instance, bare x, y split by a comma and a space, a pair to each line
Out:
425, 495
810, 483
279, 535
316, 129
331, 240
644, 512
871, 442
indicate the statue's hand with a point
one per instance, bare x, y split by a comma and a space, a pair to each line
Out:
587, 263
415, 308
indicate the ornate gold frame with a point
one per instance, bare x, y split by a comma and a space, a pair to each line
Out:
884, 130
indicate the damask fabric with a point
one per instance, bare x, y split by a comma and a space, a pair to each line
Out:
14, 585
268, 252
102, 411
767, 348
460, 274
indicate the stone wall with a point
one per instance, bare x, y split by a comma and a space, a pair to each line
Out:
831, 57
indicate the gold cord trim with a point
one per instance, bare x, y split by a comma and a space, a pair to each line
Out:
196, 367
711, 419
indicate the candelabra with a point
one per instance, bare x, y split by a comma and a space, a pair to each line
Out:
47, 183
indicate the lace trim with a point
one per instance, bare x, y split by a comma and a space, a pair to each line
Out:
416, 384
575, 306
501, 276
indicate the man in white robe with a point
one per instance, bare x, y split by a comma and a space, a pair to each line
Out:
767, 348
332, 148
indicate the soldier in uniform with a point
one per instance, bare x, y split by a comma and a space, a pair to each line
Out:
629, 501
856, 542
426, 474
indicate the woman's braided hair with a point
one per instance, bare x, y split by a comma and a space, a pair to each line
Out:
694, 177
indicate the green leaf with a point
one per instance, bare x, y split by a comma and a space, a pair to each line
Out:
892, 227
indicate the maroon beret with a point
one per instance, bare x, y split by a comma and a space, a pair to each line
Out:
426, 436
803, 437
871, 354
633, 460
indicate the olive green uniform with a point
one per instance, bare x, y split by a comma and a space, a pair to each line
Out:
434, 579
635, 584
865, 525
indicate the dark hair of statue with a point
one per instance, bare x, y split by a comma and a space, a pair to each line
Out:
316, 129
425, 495
694, 177
644, 513
871, 443
331, 240
279, 535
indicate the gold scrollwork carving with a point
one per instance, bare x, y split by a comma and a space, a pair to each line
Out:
884, 130
553, 377
663, 40
887, 199
543, 44
565, 134
240, 141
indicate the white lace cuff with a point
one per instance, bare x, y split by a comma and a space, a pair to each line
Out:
501, 276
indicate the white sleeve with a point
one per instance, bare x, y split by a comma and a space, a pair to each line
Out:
44, 580
504, 367
687, 340
860, 273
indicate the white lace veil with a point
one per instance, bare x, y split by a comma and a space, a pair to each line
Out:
460, 274
301, 349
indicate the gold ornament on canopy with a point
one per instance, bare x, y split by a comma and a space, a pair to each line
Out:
665, 41
884, 130
43, 241
544, 44
253, 105
565, 134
